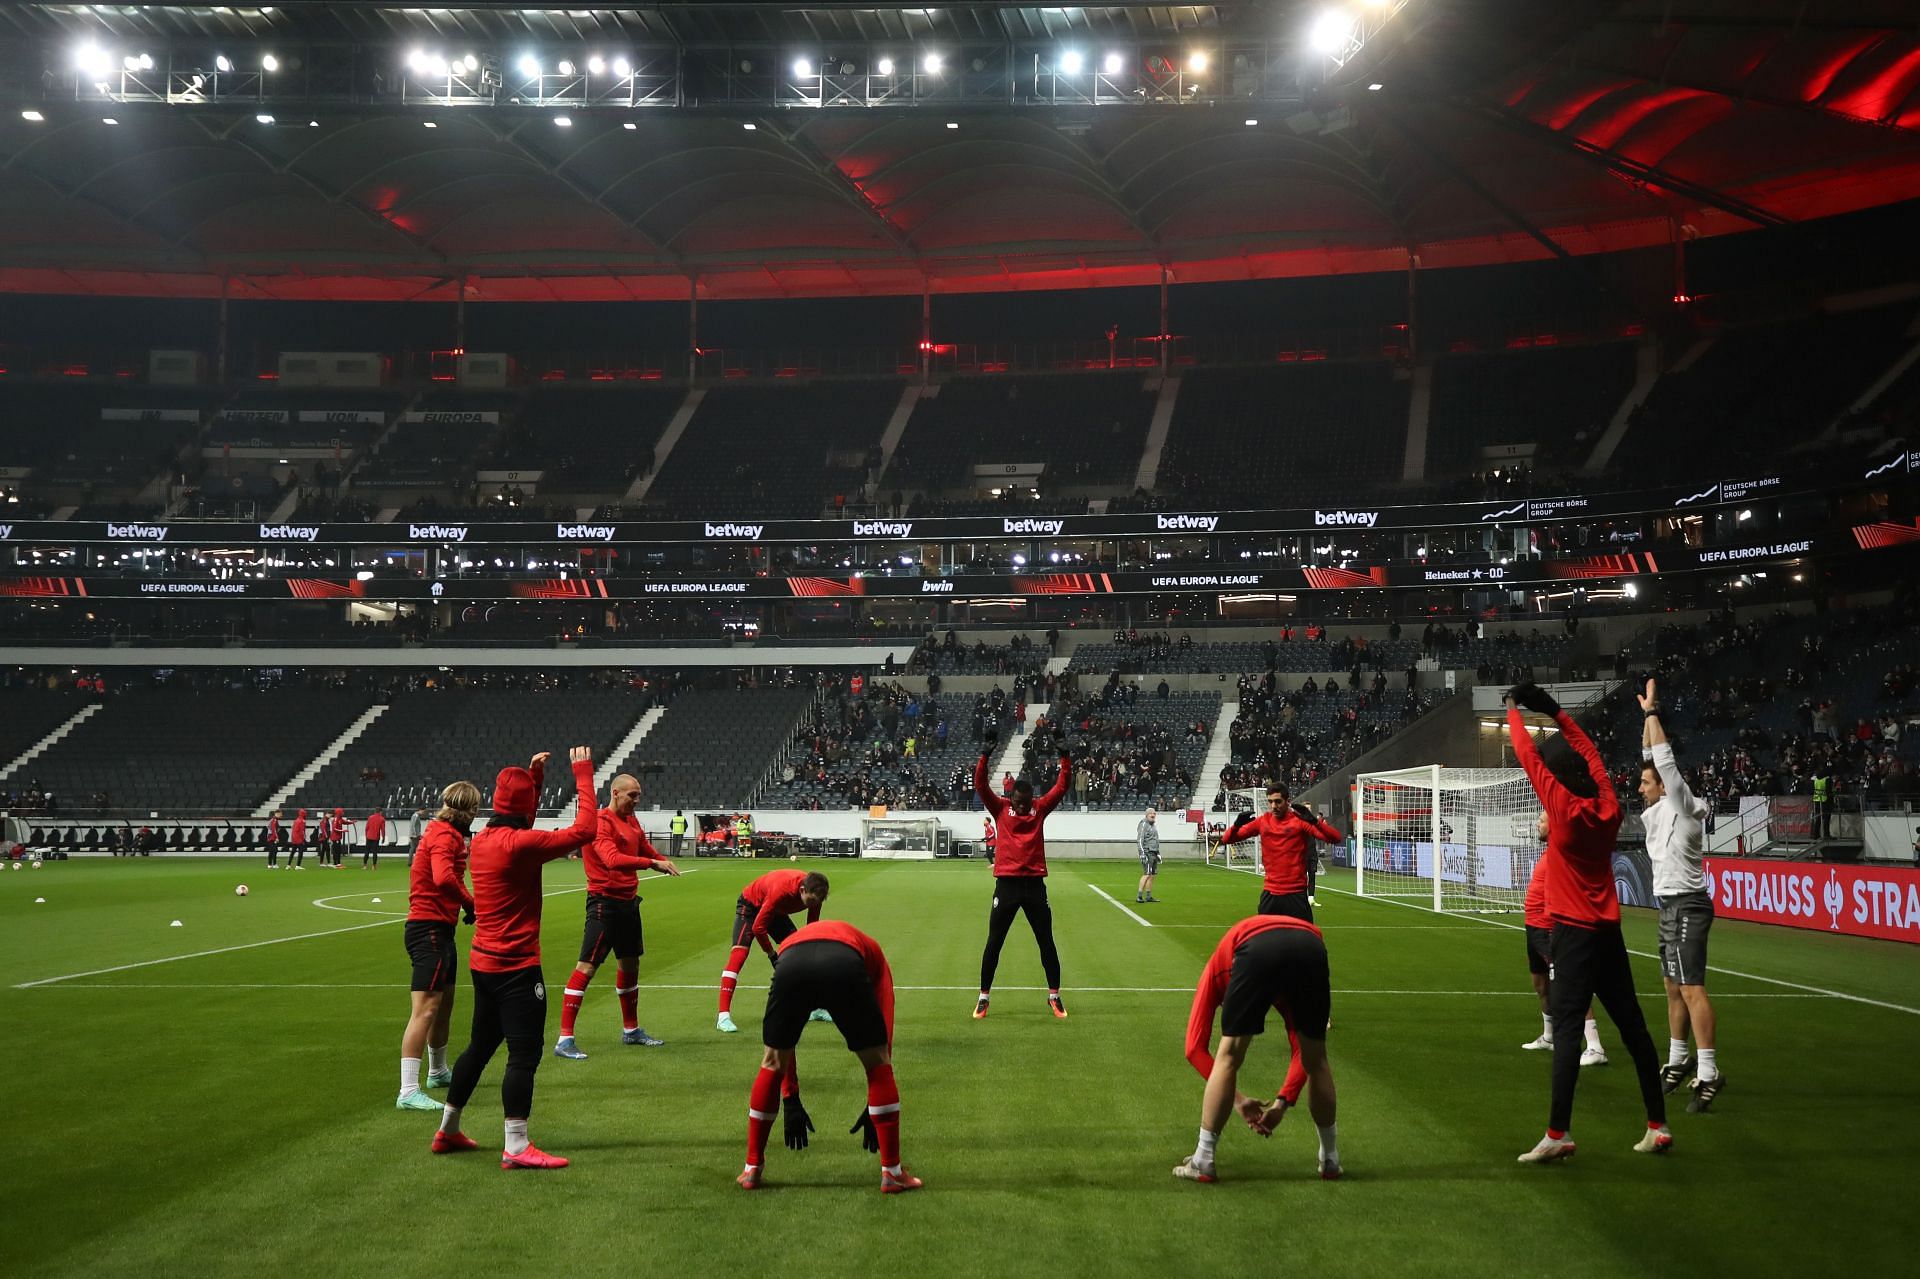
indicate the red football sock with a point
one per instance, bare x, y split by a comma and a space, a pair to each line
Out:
763, 1104
627, 986
570, 1001
883, 1104
731, 977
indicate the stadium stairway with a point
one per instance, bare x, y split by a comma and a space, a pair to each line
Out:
320, 761
614, 764
1014, 751
80, 717
676, 427
1646, 371
897, 425
1413, 464
1157, 428
1219, 750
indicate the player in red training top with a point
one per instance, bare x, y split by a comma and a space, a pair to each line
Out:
1019, 871
373, 833
834, 966
1539, 929
509, 992
761, 915
1589, 953
298, 856
1268, 961
337, 836
437, 897
1287, 832
619, 851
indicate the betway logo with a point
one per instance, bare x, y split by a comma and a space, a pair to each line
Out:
584, 532
438, 532
734, 530
876, 528
289, 532
1033, 526
6, 531
138, 532
1365, 519
1205, 523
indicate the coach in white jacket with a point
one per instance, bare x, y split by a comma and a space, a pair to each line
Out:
1675, 823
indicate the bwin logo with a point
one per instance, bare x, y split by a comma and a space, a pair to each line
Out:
584, 532
288, 532
936, 588
876, 528
1205, 523
1032, 526
734, 530
438, 532
138, 532
1365, 519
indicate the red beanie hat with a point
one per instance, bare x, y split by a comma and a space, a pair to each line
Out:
516, 792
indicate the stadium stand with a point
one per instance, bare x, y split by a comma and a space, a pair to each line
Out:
782, 451
436, 452
1266, 437
888, 746
713, 747
1130, 749
1299, 736
58, 432
432, 735
1557, 398
195, 746
32, 713
1087, 428
588, 439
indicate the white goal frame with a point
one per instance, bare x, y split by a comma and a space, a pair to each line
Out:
1436, 780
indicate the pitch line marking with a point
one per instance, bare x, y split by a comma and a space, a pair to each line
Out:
1644, 954
1120, 907
253, 945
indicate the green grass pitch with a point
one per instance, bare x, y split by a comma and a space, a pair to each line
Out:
231, 1113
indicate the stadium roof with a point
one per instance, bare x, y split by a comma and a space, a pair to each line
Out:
1498, 132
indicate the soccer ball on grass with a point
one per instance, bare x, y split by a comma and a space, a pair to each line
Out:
240, 890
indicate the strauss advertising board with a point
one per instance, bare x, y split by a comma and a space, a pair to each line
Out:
1857, 901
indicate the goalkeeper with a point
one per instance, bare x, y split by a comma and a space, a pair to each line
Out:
835, 966
1589, 953
1286, 833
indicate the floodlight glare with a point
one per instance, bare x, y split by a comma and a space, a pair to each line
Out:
1070, 63
529, 66
417, 60
596, 65
884, 66
221, 62
264, 118
564, 122
802, 68
93, 60
32, 116
1198, 62
1330, 31
1114, 63
565, 68
269, 63
621, 67
932, 63
470, 62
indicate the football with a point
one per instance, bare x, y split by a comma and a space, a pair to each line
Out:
240, 890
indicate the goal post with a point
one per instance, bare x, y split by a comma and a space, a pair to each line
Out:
1451, 839
1244, 856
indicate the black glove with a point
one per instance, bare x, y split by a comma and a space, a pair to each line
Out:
1303, 812
990, 739
466, 916
869, 1135
1066, 754
1535, 699
799, 1123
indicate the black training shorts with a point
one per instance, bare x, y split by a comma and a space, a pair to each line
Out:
1281, 965
822, 974
1685, 921
430, 945
613, 928
1294, 905
1539, 950
779, 927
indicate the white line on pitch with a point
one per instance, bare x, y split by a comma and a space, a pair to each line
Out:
251, 945
1118, 906
1077, 990
1712, 968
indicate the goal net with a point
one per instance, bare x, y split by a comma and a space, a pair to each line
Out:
1245, 855
1481, 821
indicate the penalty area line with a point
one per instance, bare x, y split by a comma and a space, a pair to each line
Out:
1119, 906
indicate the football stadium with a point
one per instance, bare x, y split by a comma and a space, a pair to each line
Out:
1259, 621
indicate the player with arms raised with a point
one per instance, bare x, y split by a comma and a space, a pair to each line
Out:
1539, 930
1268, 961
832, 966
619, 852
762, 915
1286, 833
1020, 871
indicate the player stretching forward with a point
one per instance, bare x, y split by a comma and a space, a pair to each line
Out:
1674, 816
436, 898
761, 915
1020, 871
1267, 961
619, 851
1589, 953
1539, 928
1285, 831
509, 991
836, 967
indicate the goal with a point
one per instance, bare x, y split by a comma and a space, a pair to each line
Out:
1245, 855
1482, 821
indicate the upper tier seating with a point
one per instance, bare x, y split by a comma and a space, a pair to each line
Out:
588, 439
1559, 398
1088, 428
717, 745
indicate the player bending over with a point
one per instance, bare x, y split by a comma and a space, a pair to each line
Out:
1675, 819
1020, 872
1286, 833
436, 899
1539, 930
835, 966
619, 852
761, 915
1268, 961
1589, 953
509, 990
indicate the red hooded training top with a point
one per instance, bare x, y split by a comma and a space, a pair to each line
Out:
376, 827
437, 880
506, 864
1283, 847
1020, 843
1212, 991
1580, 830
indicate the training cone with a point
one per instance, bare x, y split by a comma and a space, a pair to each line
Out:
39, 901
376, 901
175, 924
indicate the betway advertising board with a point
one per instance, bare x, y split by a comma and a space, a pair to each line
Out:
1854, 901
